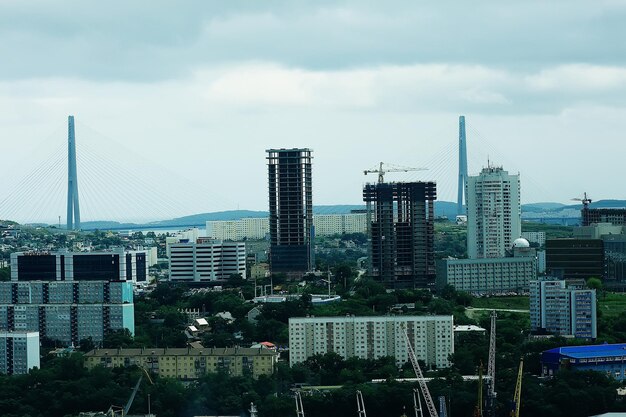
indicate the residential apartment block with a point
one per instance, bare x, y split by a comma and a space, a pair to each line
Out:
113, 265
19, 352
538, 238
339, 224
188, 363
487, 276
236, 230
207, 262
432, 338
259, 228
493, 213
556, 308
67, 311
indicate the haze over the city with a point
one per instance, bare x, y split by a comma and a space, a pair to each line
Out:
184, 98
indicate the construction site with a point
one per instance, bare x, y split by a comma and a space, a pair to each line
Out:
400, 216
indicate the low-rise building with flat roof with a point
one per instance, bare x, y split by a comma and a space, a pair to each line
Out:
609, 359
188, 363
487, 276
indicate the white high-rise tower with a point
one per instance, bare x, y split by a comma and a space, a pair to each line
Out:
493, 213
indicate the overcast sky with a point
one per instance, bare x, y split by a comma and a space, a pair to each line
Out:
176, 102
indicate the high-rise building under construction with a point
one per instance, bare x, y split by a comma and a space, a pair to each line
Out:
401, 233
290, 210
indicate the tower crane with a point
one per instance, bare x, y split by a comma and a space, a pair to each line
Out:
381, 171
585, 200
432, 411
517, 396
360, 404
491, 369
299, 407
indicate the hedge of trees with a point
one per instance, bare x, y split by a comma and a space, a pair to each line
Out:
64, 388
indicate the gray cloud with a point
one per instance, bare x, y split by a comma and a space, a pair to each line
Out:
148, 40
202, 88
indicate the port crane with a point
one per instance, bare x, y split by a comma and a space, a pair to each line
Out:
478, 411
430, 405
299, 407
517, 396
381, 171
417, 403
491, 369
360, 404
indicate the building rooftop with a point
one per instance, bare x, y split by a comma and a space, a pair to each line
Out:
611, 415
591, 351
201, 322
180, 352
289, 150
469, 328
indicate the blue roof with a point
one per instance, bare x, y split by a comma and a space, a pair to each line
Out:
590, 351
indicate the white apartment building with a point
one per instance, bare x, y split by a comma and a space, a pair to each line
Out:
337, 224
493, 213
432, 338
558, 309
206, 262
487, 276
258, 228
248, 228
19, 352
535, 237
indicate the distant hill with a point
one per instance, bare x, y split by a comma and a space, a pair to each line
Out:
442, 208
540, 207
108, 225
200, 219
601, 204
555, 208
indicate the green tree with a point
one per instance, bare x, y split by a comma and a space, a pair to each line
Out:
85, 345
118, 339
594, 284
